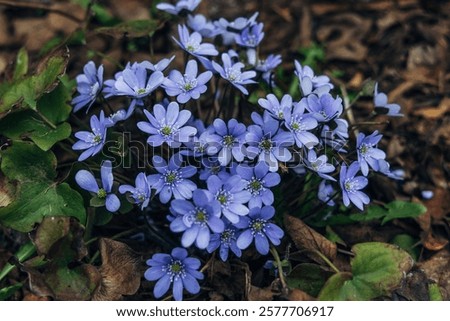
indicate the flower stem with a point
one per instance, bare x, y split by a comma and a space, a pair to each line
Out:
276, 256
327, 261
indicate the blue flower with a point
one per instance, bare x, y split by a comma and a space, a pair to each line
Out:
180, 8
299, 124
382, 107
210, 166
267, 141
231, 195
197, 219
113, 119
87, 181
177, 269
204, 27
319, 165
92, 141
251, 36
233, 73
159, 66
89, 86
192, 43
172, 179
326, 193
351, 186
135, 83
225, 242
368, 154
276, 107
259, 181
337, 137
227, 141
141, 193
167, 126
228, 29
257, 227
267, 66
187, 86
324, 108
310, 83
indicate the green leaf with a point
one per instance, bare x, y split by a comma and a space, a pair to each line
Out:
25, 92
401, 209
55, 105
24, 252
377, 269
373, 212
5, 293
435, 292
132, 29
97, 201
21, 64
37, 196
308, 277
407, 243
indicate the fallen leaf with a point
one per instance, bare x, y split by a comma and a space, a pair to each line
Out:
299, 295
437, 268
120, 272
414, 286
431, 242
305, 238
434, 112
260, 294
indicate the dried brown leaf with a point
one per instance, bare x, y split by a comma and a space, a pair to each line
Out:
260, 294
305, 238
299, 295
121, 271
437, 268
431, 242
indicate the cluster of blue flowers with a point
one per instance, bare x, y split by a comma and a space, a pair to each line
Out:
219, 178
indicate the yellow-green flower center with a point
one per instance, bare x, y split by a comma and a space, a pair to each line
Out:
166, 130
228, 140
266, 144
101, 193
200, 216
141, 91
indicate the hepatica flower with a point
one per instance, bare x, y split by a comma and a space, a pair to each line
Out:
309, 82
192, 43
187, 86
251, 36
381, 104
231, 195
141, 193
181, 7
200, 24
368, 153
225, 242
274, 106
135, 83
233, 73
87, 182
159, 66
167, 126
197, 219
89, 86
258, 228
319, 165
299, 125
227, 141
259, 181
172, 179
267, 141
92, 141
176, 269
352, 184
267, 66
324, 108
326, 193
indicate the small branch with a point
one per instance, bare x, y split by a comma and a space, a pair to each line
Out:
276, 256
327, 261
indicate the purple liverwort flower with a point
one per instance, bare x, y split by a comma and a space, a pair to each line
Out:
251, 36
225, 241
192, 43
167, 126
204, 27
274, 106
187, 86
227, 141
172, 179
368, 154
141, 193
92, 141
197, 219
427, 194
324, 108
337, 137
259, 181
300, 123
319, 165
267, 66
310, 83
380, 100
177, 269
159, 66
228, 29
89, 85
326, 193
210, 166
180, 8
258, 227
267, 141
351, 186
232, 72
113, 119
231, 195
87, 181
